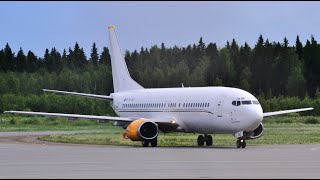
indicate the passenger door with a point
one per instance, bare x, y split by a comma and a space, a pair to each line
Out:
234, 114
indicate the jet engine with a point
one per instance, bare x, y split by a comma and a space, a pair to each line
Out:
255, 133
141, 129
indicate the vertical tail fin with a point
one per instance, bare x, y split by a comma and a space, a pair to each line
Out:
122, 80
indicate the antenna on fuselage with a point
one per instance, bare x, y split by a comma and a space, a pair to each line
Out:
182, 85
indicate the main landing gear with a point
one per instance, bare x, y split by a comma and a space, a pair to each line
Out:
204, 139
241, 143
153, 142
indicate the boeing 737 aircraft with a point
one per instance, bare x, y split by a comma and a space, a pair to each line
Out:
204, 110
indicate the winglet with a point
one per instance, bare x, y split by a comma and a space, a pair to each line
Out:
111, 27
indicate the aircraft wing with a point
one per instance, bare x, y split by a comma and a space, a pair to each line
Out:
90, 117
285, 112
165, 124
80, 94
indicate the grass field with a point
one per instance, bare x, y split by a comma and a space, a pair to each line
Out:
9, 123
291, 129
273, 134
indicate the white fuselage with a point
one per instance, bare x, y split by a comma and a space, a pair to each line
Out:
206, 110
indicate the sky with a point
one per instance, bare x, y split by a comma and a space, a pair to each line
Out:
37, 25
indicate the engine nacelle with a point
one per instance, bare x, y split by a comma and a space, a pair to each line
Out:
141, 129
255, 133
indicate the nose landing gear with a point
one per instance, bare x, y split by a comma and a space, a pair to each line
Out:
241, 143
204, 139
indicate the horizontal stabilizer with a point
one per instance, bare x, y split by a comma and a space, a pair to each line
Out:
109, 98
286, 112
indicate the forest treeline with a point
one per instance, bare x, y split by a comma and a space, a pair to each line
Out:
273, 71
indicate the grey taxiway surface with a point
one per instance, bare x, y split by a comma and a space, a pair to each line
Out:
22, 156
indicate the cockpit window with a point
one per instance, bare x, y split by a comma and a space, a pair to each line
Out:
236, 103
255, 102
246, 102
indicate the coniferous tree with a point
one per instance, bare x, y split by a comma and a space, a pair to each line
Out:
2, 61
312, 65
94, 57
64, 59
299, 48
213, 55
32, 62
245, 56
234, 58
188, 54
21, 61
76, 56
105, 57
228, 74
285, 42
83, 58
46, 60
258, 66
201, 48
9, 60
268, 69
284, 67
162, 51
228, 45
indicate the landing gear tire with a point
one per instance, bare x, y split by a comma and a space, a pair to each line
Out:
238, 143
241, 143
200, 140
209, 140
145, 143
154, 142
244, 144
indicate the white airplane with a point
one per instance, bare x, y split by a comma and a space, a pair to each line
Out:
204, 110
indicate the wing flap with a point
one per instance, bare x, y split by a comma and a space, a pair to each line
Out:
286, 111
80, 94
